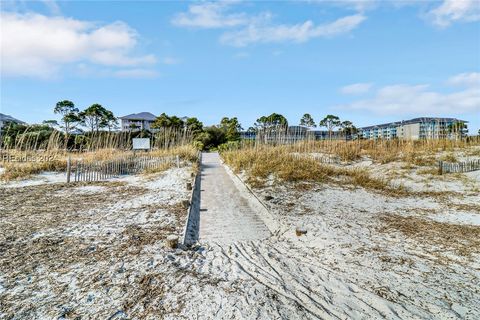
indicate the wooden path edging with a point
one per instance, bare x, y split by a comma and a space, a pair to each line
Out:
272, 224
192, 223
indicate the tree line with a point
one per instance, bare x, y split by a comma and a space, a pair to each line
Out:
205, 138
329, 122
97, 118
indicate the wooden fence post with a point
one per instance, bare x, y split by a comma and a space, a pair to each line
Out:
178, 161
68, 168
76, 170
440, 167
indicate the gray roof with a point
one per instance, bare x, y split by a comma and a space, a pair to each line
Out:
140, 116
7, 118
414, 120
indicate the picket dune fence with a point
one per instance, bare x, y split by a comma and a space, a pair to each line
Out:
103, 170
317, 157
458, 167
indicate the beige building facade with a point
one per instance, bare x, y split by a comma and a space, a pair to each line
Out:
417, 128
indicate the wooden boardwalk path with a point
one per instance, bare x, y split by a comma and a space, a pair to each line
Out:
226, 215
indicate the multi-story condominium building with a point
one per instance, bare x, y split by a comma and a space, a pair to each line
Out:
295, 133
137, 121
418, 128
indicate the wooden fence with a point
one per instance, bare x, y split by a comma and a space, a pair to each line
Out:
102, 170
458, 167
319, 158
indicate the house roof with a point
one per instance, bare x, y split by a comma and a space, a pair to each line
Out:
140, 116
7, 118
414, 120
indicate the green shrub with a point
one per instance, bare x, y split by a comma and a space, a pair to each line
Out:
229, 145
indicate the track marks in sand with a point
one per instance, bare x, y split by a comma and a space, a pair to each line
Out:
314, 288
286, 285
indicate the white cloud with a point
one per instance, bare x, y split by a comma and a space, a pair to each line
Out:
25, 6
359, 5
259, 28
136, 73
52, 5
451, 11
356, 88
39, 46
443, 14
466, 79
209, 15
418, 100
290, 33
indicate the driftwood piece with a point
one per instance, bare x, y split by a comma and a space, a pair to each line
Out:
299, 231
186, 203
172, 241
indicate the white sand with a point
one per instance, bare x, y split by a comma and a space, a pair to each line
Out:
458, 218
42, 178
345, 267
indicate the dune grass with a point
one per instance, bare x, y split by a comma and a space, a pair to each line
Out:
278, 163
417, 152
17, 170
462, 239
46, 140
186, 152
22, 164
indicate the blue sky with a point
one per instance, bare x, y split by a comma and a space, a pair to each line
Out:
366, 61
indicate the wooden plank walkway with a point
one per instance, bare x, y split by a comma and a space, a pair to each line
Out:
225, 213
